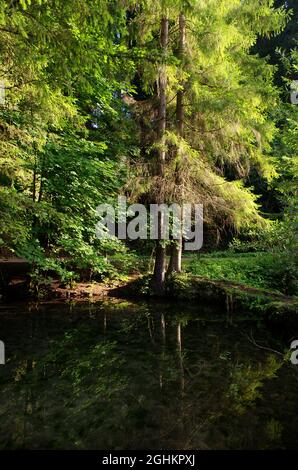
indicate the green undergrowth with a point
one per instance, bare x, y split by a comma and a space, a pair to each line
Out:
258, 270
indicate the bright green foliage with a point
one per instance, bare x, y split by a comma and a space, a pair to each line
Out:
60, 65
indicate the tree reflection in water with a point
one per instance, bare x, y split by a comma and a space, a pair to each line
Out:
122, 375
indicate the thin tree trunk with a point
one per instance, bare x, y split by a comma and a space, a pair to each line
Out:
41, 181
175, 264
34, 180
40, 191
160, 253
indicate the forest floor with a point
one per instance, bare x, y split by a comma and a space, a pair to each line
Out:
113, 287
87, 290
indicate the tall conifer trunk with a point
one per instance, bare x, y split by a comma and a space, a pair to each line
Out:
160, 254
176, 247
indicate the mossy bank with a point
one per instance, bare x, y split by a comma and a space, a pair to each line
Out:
232, 297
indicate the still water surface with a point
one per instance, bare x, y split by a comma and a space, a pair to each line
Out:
138, 375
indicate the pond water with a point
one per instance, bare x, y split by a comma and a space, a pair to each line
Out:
135, 375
